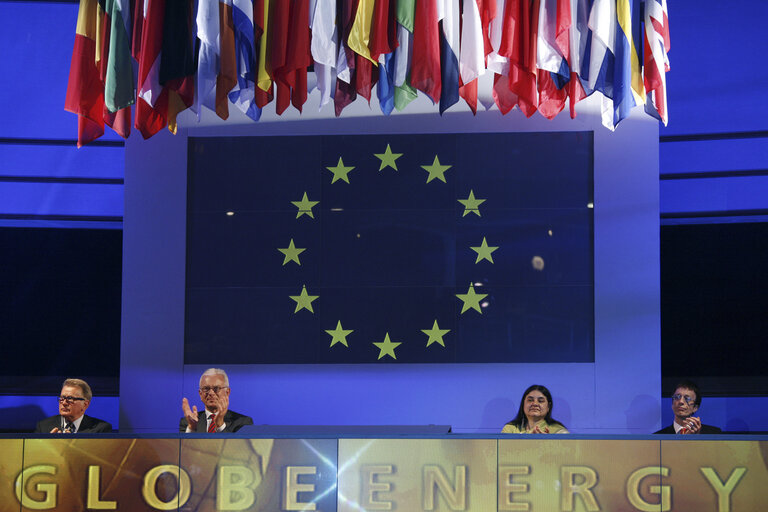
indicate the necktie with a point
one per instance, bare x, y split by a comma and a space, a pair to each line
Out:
69, 427
212, 424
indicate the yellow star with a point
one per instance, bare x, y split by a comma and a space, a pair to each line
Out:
471, 204
435, 334
387, 347
388, 158
339, 335
291, 253
484, 251
304, 300
340, 172
436, 170
471, 299
304, 206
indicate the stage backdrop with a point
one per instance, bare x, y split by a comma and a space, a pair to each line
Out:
390, 248
615, 388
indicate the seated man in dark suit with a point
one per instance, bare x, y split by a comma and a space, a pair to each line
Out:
685, 402
74, 399
214, 393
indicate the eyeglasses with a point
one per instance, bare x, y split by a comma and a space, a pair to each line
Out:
71, 399
687, 399
205, 389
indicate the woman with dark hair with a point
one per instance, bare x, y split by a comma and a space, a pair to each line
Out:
535, 414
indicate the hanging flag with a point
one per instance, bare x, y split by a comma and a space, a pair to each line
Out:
518, 44
226, 79
472, 55
298, 53
324, 46
448, 14
207, 22
425, 64
602, 22
243, 95
405, 93
360, 33
85, 92
262, 32
551, 51
346, 91
152, 101
386, 85
579, 33
498, 64
177, 67
627, 78
657, 45
119, 86
383, 43
383, 38
357, 41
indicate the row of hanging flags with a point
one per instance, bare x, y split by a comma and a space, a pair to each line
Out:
165, 56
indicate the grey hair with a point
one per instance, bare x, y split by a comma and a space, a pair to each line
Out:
215, 371
79, 383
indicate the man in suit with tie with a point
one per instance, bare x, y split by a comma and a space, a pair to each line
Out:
685, 402
74, 399
216, 417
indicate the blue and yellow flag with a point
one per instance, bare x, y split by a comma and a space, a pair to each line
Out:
450, 248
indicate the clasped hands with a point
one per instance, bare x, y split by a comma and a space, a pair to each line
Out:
691, 425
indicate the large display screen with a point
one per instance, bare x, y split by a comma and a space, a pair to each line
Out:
355, 475
390, 249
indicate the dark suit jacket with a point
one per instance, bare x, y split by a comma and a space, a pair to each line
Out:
88, 425
234, 422
705, 429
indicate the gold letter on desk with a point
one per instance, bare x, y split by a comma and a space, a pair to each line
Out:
234, 492
94, 499
48, 490
435, 479
371, 486
571, 488
148, 489
293, 487
633, 490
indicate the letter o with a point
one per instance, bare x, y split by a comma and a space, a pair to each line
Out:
148, 489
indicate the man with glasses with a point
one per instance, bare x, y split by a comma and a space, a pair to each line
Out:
74, 399
685, 402
214, 393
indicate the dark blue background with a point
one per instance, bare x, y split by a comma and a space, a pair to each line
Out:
388, 252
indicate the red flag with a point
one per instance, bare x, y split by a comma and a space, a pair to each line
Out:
469, 93
298, 57
85, 91
425, 64
366, 76
383, 29
152, 101
279, 23
518, 44
488, 12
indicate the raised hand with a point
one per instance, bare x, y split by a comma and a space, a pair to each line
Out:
189, 414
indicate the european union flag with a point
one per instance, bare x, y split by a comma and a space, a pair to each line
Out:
441, 248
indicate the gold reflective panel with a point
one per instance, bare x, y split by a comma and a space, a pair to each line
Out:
417, 474
716, 475
10, 466
71, 474
538, 473
260, 475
